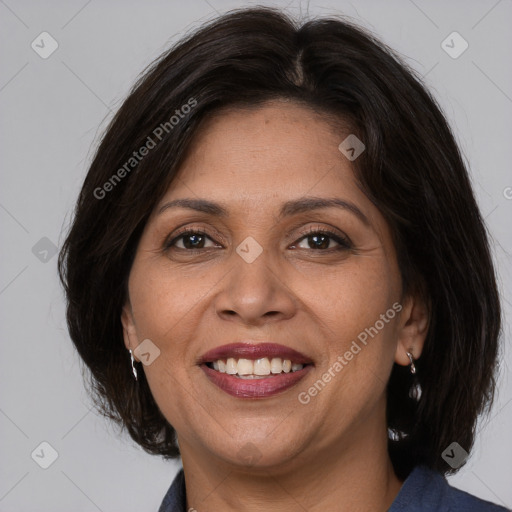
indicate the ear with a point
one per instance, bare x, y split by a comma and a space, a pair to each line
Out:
129, 330
412, 328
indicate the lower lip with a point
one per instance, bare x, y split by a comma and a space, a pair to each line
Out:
255, 388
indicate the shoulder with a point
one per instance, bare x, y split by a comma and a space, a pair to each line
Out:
426, 490
175, 499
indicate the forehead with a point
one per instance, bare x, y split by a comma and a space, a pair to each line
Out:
278, 150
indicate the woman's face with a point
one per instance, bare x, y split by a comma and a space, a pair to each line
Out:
262, 275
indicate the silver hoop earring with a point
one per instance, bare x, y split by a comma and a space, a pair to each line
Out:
411, 359
134, 370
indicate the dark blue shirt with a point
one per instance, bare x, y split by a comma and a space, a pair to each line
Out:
424, 490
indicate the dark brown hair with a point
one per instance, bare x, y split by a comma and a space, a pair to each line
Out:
412, 171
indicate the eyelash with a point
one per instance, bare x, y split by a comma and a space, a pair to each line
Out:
343, 242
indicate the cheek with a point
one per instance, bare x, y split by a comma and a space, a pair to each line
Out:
162, 299
360, 346
352, 299
166, 304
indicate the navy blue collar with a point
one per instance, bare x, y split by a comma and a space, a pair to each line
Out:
424, 490
175, 498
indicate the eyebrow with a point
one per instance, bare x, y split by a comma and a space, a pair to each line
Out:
289, 208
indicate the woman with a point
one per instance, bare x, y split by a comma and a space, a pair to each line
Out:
277, 270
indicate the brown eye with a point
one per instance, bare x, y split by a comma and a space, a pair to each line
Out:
190, 239
321, 240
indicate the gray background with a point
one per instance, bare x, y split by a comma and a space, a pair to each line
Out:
53, 112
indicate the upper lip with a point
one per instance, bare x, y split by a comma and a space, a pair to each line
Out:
252, 351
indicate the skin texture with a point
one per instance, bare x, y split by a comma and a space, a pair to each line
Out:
329, 454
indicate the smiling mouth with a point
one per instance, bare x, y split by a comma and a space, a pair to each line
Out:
254, 371
255, 379
261, 368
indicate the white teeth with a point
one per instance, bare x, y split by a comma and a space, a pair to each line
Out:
276, 365
262, 366
245, 367
253, 369
231, 366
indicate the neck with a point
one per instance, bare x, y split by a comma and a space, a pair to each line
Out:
357, 477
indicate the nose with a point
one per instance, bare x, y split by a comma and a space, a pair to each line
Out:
255, 293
